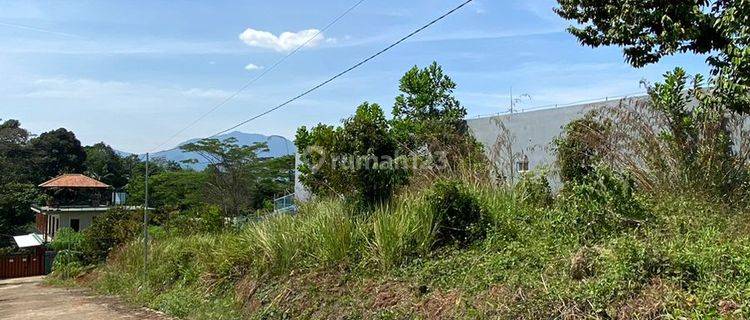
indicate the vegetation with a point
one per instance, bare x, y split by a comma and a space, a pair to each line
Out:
616, 241
650, 30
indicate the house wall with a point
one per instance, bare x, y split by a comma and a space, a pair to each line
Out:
85, 218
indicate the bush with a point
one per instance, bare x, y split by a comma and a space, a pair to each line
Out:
204, 219
458, 212
603, 203
67, 239
579, 147
534, 189
114, 227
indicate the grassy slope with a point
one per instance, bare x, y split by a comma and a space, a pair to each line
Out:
692, 259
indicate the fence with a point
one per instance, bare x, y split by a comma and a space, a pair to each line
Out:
22, 265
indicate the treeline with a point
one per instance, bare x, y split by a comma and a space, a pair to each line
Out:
27, 160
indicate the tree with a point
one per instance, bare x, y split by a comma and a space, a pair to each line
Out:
182, 190
232, 172
354, 160
13, 152
57, 152
429, 120
105, 165
650, 30
15, 215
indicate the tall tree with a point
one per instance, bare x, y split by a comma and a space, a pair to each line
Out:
651, 29
104, 164
13, 152
232, 172
57, 152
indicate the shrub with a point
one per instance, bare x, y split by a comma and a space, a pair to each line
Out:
204, 219
458, 212
115, 227
534, 189
601, 204
67, 239
69, 245
578, 148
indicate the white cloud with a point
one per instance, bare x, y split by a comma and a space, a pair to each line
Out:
252, 66
285, 42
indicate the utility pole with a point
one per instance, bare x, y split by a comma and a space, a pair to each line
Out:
145, 226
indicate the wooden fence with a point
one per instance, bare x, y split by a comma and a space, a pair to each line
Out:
22, 265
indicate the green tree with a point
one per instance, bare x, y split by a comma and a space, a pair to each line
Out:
14, 152
15, 213
427, 115
650, 30
232, 172
105, 165
354, 160
180, 190
57, 152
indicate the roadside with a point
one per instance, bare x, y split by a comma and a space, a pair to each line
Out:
29, 298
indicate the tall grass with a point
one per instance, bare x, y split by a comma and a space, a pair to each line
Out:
406, 228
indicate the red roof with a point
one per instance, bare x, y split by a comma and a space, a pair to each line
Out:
73, 180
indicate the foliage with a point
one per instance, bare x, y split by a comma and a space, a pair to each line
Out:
115, 227
534, 189
104, 164
15, 215
14, 153
405, 229
579, 147
427, 117
346, 161
234, 173
68, 239
368, 157
197, 219
650, 30
458, 212
57, 152
681, 138
181, 190
601, 204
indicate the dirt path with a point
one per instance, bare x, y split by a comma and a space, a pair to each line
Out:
28, 298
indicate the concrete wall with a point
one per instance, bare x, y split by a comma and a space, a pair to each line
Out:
85, 219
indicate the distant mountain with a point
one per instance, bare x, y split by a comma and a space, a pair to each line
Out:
278, 146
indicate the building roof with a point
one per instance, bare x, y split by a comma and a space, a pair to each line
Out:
29, 240
73, 180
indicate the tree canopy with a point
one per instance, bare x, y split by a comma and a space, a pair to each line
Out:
650, 30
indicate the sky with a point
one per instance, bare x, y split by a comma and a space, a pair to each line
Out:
134, 73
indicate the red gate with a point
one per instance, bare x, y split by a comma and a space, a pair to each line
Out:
22, 265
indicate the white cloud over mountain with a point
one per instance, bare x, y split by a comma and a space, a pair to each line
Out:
285, 42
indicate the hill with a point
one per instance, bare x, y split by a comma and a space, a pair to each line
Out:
278, 146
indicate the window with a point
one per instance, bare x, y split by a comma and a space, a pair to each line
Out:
75, 224
523, 165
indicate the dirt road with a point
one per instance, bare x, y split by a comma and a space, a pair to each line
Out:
28, 298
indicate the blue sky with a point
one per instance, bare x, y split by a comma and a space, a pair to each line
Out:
132, 73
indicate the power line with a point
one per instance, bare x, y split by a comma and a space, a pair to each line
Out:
265, 71
347, 70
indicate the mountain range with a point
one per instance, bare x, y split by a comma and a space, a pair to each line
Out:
277, 146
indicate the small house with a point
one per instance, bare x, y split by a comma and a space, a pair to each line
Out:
74, 201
